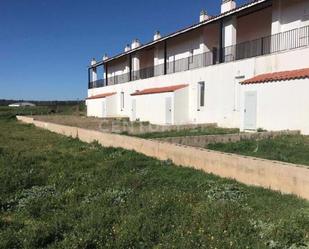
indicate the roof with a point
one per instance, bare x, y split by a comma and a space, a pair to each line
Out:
101, 96
278, 76
159, 90
212, 19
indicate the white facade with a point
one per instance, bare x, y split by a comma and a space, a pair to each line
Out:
280, 105
224, 101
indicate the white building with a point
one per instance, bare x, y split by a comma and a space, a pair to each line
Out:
22, 104
216, 71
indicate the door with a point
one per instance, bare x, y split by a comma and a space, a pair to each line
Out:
168, 110
133, 109
250, 110
103, 109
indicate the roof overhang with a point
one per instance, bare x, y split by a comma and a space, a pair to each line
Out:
213, 19
101, 96
278, 76
158, 90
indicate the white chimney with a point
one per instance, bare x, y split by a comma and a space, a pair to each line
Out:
127, 48
105, 57
203, 16
227, 5
93, 62
135, 44
157, 36
94, 75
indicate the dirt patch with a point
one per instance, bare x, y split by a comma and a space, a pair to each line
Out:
70, 120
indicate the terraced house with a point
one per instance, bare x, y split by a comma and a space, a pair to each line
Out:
246, 67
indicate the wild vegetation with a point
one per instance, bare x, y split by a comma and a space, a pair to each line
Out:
199, 131
291, 148
57, 192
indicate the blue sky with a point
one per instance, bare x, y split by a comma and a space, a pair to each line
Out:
46, 45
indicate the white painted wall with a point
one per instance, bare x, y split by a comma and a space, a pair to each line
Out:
281, 105
95, 107
221, 88
112, 105
151, 107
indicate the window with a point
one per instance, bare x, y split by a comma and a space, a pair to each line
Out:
201, 94
122, 100
191, 58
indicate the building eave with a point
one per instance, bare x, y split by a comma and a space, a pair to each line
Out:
185, 30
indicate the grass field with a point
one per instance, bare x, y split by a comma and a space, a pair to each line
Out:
57, 192
292, 148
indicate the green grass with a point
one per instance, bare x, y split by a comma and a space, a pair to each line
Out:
291, 148
57, 192
190, 132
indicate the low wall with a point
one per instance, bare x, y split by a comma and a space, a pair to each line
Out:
137, 128
117, 125
284, 177
203, 141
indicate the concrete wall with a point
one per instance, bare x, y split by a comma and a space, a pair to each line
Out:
289, 15
284, 177
205, 140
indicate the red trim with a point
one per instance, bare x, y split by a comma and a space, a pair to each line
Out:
101, 96
278, 76
159, 90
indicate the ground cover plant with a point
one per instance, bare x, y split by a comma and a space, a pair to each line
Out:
289, 148
57, 192
190, 132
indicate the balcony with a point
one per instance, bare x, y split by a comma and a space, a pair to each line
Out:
280, 42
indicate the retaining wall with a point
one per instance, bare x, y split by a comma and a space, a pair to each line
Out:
204, 140
284, 177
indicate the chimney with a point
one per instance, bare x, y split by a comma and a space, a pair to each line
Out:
135, 44
227, 5
93, 62
127, 48
157, 36
105, 57
203, 16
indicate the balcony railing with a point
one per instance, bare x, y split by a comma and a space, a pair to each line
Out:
284, 41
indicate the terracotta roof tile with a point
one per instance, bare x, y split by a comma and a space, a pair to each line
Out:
278, 76
159, 90
101, 96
